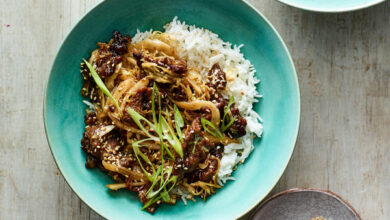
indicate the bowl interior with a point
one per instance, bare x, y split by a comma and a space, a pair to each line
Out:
234, 21
331, 5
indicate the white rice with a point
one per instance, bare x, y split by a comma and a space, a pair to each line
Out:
201, 49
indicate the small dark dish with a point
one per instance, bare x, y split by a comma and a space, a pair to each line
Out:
305, 204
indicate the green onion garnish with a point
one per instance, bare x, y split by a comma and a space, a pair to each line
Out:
152, 193
100, 84
137, 118
179, 122
172, 180
137, 152
216, 133
164, 132
228, 112
171, 137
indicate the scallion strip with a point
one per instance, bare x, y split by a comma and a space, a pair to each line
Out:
179, 122
137, 118
99, 82
171, 137
228, 112
216, 133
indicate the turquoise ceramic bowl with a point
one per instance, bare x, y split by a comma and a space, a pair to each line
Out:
234, 21
331, 5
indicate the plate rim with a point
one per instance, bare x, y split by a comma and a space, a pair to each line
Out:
297, 190
294, 74
341, 10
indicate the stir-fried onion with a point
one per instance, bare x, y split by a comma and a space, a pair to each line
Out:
197, 105
123, 171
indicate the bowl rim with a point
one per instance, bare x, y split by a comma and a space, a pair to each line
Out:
297, 190
341, 10
294, 73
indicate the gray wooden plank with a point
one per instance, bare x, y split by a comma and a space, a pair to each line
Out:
343, 67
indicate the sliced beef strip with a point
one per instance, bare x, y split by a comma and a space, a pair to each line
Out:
119, 44
175, 65
205, 174
216, 78
140, 102
96, 145
111, 55
106, 63
238, 128
195, 147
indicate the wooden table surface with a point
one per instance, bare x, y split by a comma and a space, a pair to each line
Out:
343, 64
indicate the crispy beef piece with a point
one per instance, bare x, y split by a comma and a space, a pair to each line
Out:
105, 65
176, 66
146, 99
90, 118
206, 113
110, 56
220, 103
191, 132
89, 142
238, 127
136, 100
95, 145
198, 155
140, 101
119, 45
178, 94
98, 146
91, 162
194, 158
193, 154
205, 174
127, 161
89, 88
217, 151
189, 136
216, 81
216, 78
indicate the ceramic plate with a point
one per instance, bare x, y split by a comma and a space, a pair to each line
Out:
234, 21
331, 5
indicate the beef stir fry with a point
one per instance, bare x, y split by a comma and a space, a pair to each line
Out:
157, 127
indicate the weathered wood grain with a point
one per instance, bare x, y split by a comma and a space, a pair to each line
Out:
343, 66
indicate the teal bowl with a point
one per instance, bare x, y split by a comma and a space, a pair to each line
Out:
235, 21
331, 6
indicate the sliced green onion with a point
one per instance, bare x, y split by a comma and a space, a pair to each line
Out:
170, 136
224, 128
150, 202
179, 122
137, 118
216, 133
137, 153
165, 196
227, 111
168, 175
172, 180
99, 82
155, 179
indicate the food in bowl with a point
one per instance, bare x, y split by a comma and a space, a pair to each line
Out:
170, 113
